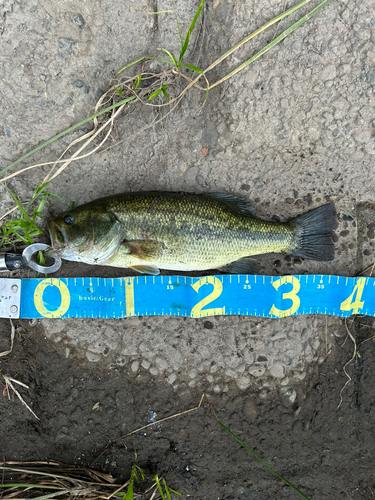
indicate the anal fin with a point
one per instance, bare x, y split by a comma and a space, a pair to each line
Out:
246, 265
147, 269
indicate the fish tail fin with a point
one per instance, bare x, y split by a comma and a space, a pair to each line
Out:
313, 233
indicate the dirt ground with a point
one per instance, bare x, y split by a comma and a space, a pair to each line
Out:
291, 132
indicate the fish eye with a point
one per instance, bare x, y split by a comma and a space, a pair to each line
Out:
68, 219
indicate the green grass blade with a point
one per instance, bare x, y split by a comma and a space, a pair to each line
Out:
154, 94
263, 462
67, 131
20, 207
37, 192
156, 479
169, 12
193, 68
256, 32
41, 260
130, 64
277, 40
170, 55
119, 91
139, 470
28, 237
138, 81
174, 491
187, 39
129, 494
165, 92
162, 60
40, 206
166, 489
51, 194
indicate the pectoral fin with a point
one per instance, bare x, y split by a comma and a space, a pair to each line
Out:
144, 249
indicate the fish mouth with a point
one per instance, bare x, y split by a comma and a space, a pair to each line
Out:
57, 235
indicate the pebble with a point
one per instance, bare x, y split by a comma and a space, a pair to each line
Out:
134, 366
288, 394
277, 370
161, 364
362, 135
145, 364
257, 371
78, 19
92, 357
243, 382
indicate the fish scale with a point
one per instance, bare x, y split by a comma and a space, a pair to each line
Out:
196, 232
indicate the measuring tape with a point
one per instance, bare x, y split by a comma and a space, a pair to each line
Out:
249, 295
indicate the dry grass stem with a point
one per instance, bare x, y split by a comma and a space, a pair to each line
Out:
9, 383
22, 480
369, 267
348, 362
12, 333
168, 77
167, 418
119, 489
9, 212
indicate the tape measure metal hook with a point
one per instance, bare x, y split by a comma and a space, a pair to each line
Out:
13, 261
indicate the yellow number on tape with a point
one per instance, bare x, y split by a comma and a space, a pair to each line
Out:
197, 312
39, 303
348, 304
292, 295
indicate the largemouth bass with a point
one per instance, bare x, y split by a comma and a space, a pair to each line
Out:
184, 232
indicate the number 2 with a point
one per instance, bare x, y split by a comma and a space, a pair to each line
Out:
197, 312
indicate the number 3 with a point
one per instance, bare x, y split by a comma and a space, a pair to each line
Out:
292, 295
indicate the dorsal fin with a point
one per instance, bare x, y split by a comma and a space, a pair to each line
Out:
241, 205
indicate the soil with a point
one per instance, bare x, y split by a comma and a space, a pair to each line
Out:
324, 451
291, 132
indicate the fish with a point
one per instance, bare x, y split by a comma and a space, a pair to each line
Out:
149, 231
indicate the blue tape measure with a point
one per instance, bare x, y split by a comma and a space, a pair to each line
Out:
265, 296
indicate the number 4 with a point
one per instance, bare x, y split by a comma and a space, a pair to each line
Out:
348, 304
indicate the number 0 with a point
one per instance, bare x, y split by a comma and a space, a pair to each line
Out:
40, 305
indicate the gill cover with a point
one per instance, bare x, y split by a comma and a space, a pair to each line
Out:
85, 235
